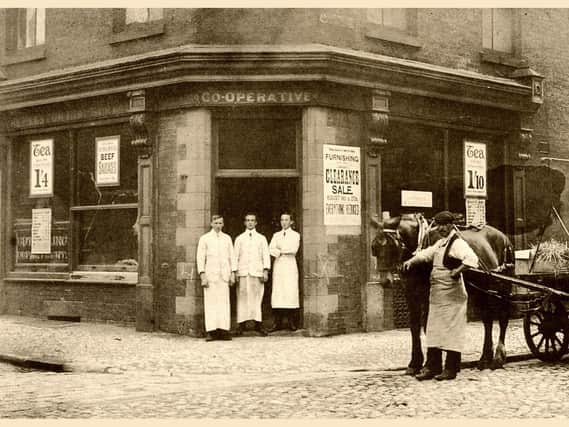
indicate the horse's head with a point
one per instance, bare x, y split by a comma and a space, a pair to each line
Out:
397, 238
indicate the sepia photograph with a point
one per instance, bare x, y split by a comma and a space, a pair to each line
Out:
272, 211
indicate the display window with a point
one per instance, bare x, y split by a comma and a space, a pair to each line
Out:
74, 202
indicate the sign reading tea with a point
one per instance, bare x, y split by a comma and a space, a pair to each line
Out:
474, 169
107, 153
41, 168
342, 185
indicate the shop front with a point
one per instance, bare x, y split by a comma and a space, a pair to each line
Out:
106, 191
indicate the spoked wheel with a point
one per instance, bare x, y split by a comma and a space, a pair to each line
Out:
546, 331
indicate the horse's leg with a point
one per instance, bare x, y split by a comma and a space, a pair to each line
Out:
500, 355
487, 349
415, 308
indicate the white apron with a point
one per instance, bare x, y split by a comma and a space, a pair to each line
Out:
214, 257
216, 305
285, 270
249, 298
446, 323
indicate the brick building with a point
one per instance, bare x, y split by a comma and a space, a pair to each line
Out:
123, 130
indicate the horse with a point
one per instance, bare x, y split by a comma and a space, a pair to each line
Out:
398, 238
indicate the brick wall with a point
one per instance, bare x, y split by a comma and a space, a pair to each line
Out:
332, 261
450, 37
97, 302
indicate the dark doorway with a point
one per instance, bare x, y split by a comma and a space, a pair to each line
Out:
268, 198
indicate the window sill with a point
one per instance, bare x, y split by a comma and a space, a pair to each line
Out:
502, 58
103, 278
392, 35
28, 54
138, 31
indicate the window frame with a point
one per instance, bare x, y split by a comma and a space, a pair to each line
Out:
381, 32
14, 53
124, 32
493, 56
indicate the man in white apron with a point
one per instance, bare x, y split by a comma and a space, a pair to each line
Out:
253, 262
446, 323
285, 298
216, 270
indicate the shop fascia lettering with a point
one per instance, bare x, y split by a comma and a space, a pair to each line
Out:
252, 97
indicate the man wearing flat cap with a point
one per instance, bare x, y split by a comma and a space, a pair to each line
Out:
446, 324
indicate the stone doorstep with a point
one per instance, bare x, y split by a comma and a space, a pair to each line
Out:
37, 364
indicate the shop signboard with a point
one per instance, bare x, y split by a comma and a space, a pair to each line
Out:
41, 168
419, 199
58, 253
342, 185
107, 158
474, 169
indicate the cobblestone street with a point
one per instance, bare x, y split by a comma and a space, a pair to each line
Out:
524, 389
118, 372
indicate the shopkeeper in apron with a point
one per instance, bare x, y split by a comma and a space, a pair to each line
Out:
446, 323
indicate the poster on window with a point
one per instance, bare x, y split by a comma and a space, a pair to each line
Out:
41, 231
41, 168
107, 152
474, 169
475, 211
342, 185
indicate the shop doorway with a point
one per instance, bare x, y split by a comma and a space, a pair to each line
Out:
267, 198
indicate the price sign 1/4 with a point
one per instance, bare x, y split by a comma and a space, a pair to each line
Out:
41, 168
474, 169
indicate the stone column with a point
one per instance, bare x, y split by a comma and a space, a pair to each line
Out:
141, 125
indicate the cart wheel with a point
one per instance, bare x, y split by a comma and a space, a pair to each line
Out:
546, 332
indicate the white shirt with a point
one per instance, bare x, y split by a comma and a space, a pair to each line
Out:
251, 254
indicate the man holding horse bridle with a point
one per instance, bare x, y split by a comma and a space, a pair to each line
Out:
446, 323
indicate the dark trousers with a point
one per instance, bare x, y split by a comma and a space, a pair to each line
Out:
285, 317
435, 360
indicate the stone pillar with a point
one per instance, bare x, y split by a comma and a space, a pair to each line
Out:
141, 125
193, 212
377, 294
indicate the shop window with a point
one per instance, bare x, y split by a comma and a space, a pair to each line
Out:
90, 208
262, 143
498, 29
25, 34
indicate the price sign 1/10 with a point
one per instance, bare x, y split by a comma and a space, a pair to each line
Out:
474, 169
41, 168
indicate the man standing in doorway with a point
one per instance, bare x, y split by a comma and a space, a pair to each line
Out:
251, 255
216, 270
285, 299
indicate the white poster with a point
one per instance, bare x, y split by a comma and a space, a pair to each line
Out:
475, 211
342, 185
107, 152
420, 199
41, 168
41, 231
474, 169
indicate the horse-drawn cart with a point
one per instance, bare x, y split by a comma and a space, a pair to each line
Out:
545, 304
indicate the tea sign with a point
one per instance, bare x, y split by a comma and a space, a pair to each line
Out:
474, 169
41, 168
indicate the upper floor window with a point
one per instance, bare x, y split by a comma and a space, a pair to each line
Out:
26, 28
395, 18
498, 29
142, 15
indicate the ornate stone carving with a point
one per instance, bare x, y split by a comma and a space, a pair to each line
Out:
378, 123
139, 128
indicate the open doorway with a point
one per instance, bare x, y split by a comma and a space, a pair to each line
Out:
268, 198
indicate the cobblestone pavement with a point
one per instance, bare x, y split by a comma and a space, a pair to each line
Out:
118, 372
522, 390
